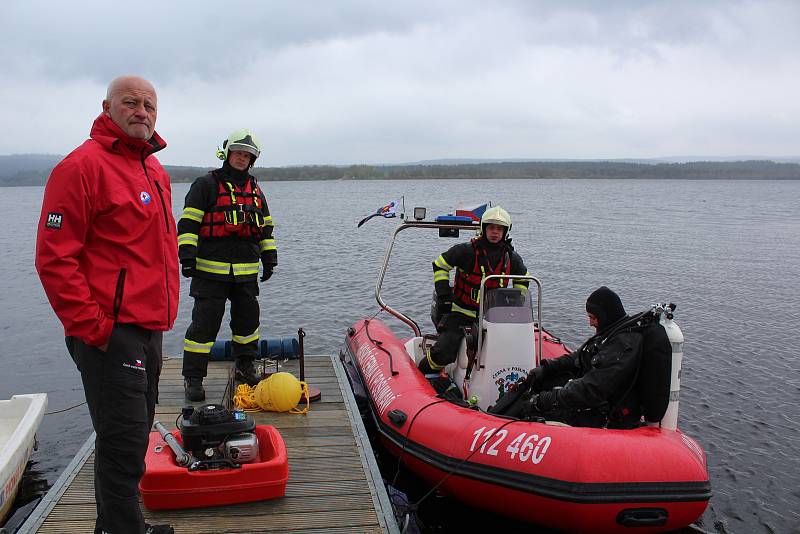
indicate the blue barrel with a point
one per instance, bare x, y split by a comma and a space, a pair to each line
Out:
280, 347
286, 347
291, 347
220, 351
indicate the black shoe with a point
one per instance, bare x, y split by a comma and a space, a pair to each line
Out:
158, 529
443, 384
193, 386
246, 373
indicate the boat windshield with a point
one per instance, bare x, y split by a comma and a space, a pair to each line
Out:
508, 305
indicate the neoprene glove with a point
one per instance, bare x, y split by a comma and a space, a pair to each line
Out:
536, 376
188, 267
544, 402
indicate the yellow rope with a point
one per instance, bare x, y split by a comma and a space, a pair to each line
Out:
308, 400
245, 399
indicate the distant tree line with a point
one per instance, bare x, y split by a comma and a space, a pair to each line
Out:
744, 170
730, 170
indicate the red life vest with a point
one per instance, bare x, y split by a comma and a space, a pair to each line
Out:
467, 285
237, 212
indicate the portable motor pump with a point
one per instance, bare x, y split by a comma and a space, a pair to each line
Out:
217, 437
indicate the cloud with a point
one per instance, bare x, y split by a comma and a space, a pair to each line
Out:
355, 82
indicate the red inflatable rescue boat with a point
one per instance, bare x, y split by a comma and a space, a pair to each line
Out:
593, 480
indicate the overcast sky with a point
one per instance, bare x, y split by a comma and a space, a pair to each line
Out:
386, 82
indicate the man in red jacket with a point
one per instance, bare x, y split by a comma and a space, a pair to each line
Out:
106, 253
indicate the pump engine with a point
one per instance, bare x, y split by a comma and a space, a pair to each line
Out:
217, 437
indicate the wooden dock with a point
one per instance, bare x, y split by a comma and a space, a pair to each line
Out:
334, 484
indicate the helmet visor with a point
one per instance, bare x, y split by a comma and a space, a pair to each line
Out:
499, 222
244, 148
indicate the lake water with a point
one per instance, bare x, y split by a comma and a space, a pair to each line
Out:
726, 252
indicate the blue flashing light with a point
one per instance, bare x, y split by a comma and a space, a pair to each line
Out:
454, 219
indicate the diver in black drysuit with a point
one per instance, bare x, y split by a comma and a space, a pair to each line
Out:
593, 386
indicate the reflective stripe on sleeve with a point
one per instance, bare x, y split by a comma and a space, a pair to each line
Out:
442, 263
187, 239
193, 214
522, 284
267, 244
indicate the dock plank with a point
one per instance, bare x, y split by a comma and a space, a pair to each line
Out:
332, 485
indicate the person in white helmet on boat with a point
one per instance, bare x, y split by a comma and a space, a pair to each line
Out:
223, 233
489, 253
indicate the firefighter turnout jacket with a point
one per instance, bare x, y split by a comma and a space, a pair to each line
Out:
226, 228
473, 262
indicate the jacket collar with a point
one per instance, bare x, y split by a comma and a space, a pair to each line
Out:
113, 139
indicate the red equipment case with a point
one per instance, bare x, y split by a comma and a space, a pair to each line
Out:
166, 485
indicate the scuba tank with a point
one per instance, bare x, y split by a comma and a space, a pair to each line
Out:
670, 419
658, 377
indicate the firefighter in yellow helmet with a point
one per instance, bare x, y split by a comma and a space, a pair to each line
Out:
489, 253
224, 232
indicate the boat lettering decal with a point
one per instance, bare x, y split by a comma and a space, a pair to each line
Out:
522, 448
694, 447
11, 484
500, 436
382, 394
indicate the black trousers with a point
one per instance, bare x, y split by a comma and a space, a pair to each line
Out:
121, 387
445, 350
209, 308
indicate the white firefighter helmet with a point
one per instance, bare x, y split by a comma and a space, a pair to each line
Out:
496, 215
244, 140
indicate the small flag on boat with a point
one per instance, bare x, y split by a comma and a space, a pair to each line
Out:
389, 210
475, 212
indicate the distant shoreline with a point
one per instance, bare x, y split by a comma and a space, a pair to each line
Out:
17, 175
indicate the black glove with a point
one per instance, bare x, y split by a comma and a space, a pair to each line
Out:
444, 304
536, 377
187, 267
267, 272
544, 402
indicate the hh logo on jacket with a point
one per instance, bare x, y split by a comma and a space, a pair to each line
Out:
54, 220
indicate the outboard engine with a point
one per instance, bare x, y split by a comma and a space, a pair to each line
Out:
507, 351
217, 437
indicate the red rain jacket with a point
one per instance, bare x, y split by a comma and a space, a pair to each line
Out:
106, 248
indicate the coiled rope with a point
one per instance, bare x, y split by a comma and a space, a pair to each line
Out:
254, 399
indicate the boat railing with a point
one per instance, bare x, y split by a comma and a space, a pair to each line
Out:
449, 225
481, 300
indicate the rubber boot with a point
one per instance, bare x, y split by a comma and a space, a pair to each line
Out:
246, 372
425, 366
193, 386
